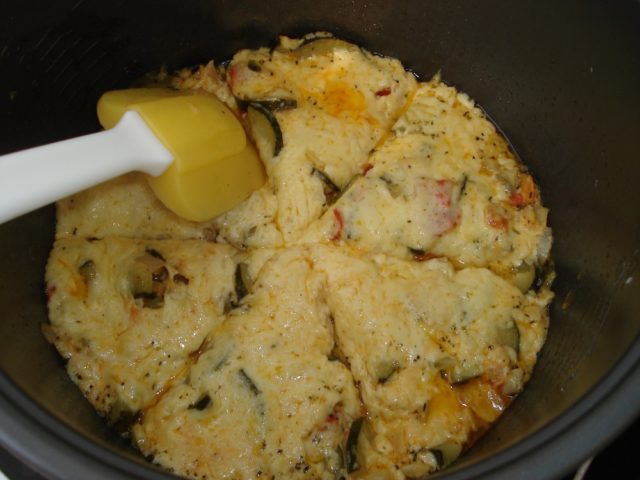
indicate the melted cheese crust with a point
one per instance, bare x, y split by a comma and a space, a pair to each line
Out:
444, 184
338, 120
128, 313
366, 314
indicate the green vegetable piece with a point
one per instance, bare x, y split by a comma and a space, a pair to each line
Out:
544, 276
160, 275
446, 453
331, 191
509, 336
148, 278
254, 66
455, 373
271, 104
523, 277
265, 127
242, 282
334, 461
351, 451
386, 369
154, 253
394, 189
87, 270
179, 278
249, 382
202, 403
150, 300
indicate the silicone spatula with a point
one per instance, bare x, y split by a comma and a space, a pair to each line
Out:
191, 145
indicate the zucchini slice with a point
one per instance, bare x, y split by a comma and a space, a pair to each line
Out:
463, 185
242, 281
455, 373
545, 275
265, 127
271, 104
248, 381
523, 276
509, 336
313, 37
201, 404
394, 189
334, 461
331, 191
446, 453
254, 66
154, 253
385, 370
148, 278
87, 271
351, 451
417, 253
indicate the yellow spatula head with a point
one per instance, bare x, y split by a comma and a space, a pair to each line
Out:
214, 166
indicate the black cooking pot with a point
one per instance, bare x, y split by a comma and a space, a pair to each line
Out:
561, 78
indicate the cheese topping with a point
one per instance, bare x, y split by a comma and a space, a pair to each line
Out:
327, 137
366, 314
127, 314
444, 184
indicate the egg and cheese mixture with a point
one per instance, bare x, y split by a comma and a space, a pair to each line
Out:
367, 313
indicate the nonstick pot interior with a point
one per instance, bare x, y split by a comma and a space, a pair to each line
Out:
560, 78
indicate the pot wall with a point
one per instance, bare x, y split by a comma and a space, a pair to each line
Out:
561, 79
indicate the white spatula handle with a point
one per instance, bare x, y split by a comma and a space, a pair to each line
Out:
32, 178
